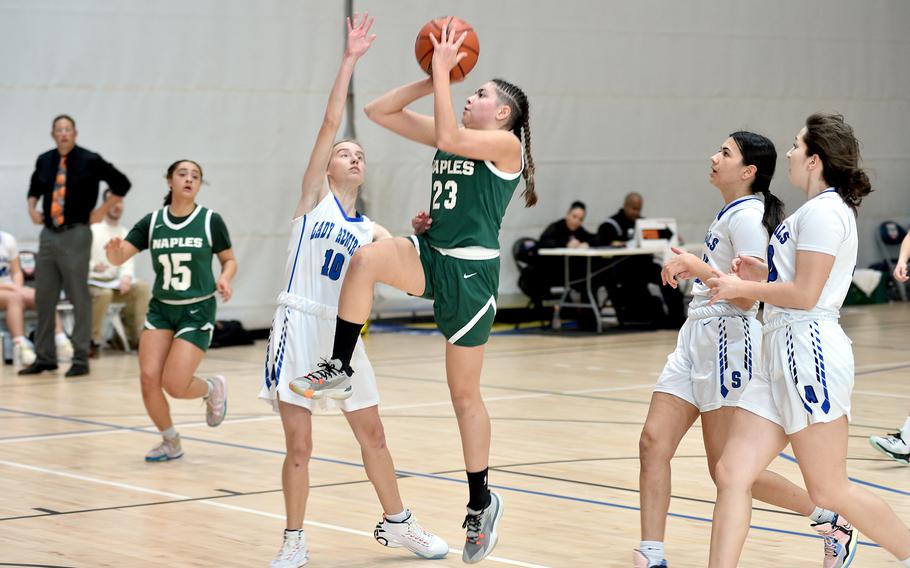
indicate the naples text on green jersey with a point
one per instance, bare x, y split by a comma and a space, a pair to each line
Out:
468, 201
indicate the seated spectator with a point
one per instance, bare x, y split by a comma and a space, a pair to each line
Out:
627, 279
108, 283
15, 298
568, 231
620, 228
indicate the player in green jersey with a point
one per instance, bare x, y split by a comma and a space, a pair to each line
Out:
456, 261
182, 237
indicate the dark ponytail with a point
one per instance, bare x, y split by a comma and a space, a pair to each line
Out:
170, 174
519, 125
832, 140
758, 151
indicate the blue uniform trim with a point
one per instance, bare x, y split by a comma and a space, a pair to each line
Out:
722, 354
296, 254
729, 206
273, 371
820, 374
791, 362
747, 356
357, 219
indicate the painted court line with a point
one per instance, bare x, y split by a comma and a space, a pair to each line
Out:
116, 429
139, 489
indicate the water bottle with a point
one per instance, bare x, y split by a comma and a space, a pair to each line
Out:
557, 323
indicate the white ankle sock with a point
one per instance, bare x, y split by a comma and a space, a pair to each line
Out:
905, 430
653, 549
61, 338
209, 386
170, 433
906, 562
822, 515
400, 517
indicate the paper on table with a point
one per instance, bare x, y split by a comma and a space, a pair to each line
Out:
112, 284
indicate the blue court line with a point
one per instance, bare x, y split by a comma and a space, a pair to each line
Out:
858, 481
425, 475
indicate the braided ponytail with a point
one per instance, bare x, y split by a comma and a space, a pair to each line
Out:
520, 126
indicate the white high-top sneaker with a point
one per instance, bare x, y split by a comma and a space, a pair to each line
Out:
294, 552
409, 534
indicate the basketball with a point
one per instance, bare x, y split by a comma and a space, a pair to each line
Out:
423, 47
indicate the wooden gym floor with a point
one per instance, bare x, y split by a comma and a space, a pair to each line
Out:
567, 412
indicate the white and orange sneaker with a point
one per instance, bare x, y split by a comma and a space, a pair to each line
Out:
840, 542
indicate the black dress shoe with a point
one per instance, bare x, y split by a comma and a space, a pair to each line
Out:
77, 371
37, 369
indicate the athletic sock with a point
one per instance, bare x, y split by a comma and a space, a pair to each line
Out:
905, 431
822, 516
653, 550
60, 338
346, 334
170, 433
400, 517
906, 562
479, 492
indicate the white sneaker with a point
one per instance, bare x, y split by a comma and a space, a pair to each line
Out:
65, 350
168, 449
216, 401
24, 353
294, 552
893, 445
409, 534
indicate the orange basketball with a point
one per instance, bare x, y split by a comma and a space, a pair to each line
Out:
423, 47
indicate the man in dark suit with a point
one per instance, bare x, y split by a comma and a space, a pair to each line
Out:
66, 179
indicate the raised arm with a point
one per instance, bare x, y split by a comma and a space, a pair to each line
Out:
389, 111
315, 185
498, 146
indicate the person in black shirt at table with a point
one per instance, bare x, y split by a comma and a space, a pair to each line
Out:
66, 179
621, 227
568, 231
627, 279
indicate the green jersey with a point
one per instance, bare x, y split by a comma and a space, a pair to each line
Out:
468, 201
182, 250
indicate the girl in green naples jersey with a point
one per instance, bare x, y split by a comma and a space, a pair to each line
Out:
455, 262
182, 237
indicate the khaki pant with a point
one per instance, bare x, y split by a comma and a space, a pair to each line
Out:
133, 313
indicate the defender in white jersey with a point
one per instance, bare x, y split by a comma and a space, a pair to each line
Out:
802, 395
326, 231
718, 351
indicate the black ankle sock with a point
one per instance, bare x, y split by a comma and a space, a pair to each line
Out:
346, 334
480, 493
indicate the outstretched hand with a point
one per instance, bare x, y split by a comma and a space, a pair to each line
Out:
445, 50
677, 268
359, 37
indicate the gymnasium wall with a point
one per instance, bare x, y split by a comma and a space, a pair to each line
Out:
626, 96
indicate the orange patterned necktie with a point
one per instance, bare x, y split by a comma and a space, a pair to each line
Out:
59, 197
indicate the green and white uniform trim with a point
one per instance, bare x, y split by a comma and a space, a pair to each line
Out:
182, 253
